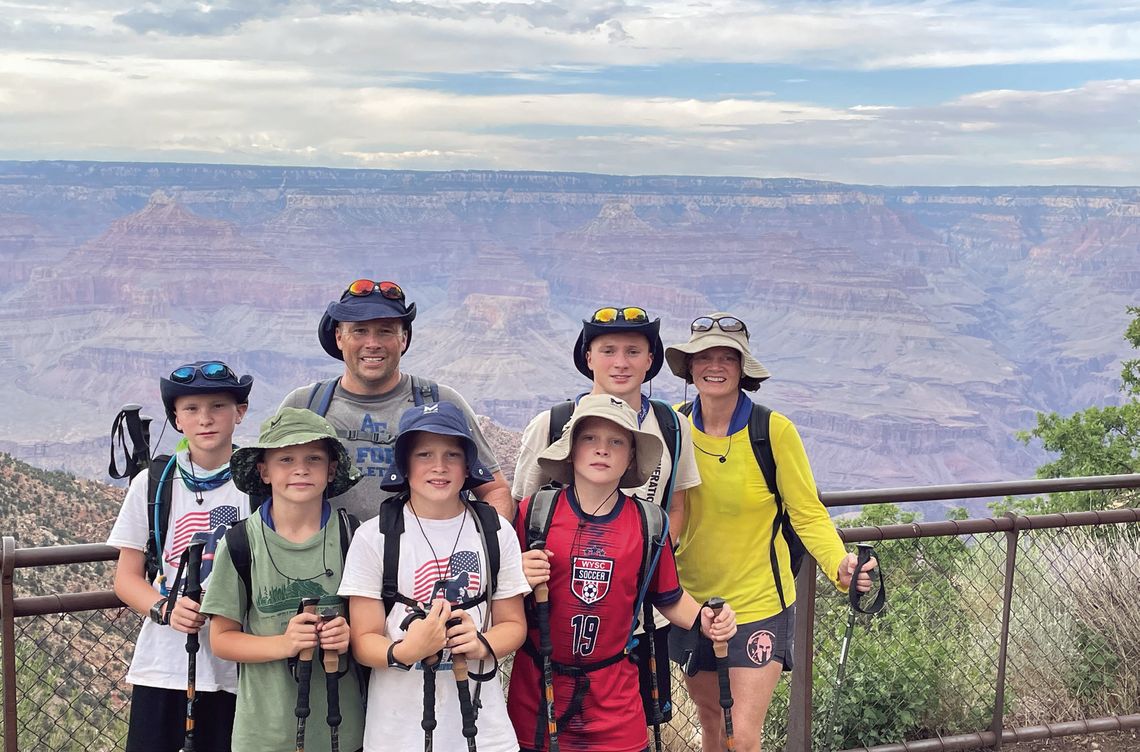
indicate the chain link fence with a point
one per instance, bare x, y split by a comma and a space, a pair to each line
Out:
925, 666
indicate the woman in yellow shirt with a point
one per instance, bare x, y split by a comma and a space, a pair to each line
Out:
725, 529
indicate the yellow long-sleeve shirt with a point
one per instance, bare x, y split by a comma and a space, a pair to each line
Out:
724, 544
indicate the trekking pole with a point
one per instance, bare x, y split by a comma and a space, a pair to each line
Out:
545, 649
654, 691
429, 665
866, 553
330, 659
720, 650
466, 708
193, 591
304, 677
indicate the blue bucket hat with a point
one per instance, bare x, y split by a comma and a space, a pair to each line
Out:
592, 329
443, 419
364, 308
202, 377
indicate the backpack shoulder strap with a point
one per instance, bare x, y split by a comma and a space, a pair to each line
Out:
560, 415
758, 436
653, 522
392, 527
424, 391
322, 394
488, 520
159, 490
670, 428
237, 543
348, 525
539, 513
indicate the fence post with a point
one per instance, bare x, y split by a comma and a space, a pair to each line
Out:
1011, 537
803, 653
8, 641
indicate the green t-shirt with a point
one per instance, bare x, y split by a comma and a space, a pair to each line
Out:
282, 573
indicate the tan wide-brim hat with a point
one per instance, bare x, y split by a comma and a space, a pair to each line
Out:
556, 462
752, 372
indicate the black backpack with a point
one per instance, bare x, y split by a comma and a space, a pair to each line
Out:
758, 437
131, 432
237, 541
392, 527
424, 392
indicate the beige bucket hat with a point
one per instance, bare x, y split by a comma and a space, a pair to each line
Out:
555, 459
713, 335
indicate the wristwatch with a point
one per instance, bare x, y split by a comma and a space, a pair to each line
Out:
156, 612
392, 662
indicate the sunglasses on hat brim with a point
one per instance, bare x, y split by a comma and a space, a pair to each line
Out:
612, 314
213, 371
362, 288
724, 323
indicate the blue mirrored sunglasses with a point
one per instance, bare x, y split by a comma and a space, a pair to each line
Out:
213, 371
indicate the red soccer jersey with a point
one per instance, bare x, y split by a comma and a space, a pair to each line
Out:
593, 588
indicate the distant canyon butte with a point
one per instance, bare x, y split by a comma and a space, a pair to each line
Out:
910, 331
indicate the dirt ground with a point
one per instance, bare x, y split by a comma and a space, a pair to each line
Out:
1122, 741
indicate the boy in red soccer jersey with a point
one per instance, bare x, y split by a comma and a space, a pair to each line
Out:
591, 563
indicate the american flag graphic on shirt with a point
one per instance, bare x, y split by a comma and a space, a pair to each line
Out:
459, 581
205, 522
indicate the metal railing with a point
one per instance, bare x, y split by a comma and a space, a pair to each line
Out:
988, 621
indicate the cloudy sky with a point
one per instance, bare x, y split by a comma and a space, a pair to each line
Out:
866, 91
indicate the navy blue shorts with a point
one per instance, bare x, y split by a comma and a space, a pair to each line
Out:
158, 720
755, 644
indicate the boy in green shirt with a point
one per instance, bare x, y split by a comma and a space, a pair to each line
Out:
294, 543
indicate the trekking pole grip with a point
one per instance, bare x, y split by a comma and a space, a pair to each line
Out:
720, 649
542, 608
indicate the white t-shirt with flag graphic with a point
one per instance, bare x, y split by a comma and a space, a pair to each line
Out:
444, 558
160, 651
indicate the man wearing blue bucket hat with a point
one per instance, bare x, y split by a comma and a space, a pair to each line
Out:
370, 328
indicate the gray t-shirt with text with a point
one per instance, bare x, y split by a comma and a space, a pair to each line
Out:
379, 414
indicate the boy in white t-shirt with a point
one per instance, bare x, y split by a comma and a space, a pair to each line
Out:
443, 613
204, 401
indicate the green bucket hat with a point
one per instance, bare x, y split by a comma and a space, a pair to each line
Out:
289, 427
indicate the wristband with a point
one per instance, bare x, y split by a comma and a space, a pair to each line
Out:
393, 662
156, 614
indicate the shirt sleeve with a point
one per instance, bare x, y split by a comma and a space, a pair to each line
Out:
486, 454
364, 564
226, 594
665, 587
512, 581
797, 486
299, 397
131, 528
528, 475
688, 476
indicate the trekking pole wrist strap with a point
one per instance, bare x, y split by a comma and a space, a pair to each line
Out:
486, 675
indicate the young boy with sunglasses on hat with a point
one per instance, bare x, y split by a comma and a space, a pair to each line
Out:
445, 605
204, 401
370, 328
295, 546
592, 561
619, 349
